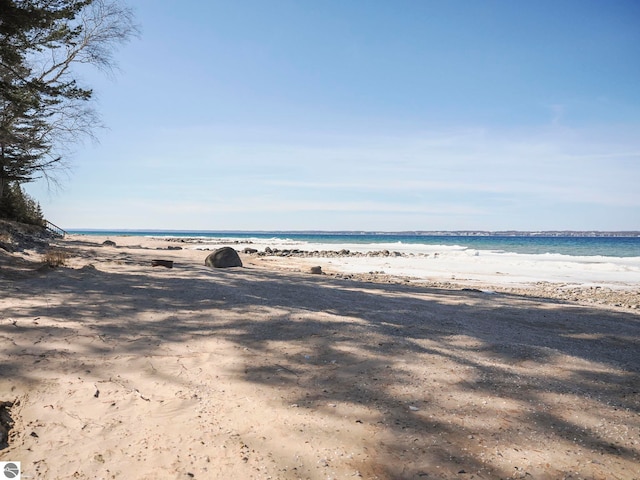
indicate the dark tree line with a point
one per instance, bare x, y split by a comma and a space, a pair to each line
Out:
19, 206
43, 108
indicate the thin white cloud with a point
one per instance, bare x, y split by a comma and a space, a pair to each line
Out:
566, 165
502, 178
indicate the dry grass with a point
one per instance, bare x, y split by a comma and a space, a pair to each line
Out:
55, 257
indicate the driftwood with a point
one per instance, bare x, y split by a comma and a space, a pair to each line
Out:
162, 263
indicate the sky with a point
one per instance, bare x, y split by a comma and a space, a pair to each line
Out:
364, 115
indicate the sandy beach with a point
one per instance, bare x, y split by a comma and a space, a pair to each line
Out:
421, 365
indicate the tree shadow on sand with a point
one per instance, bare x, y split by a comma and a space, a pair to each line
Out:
325, 342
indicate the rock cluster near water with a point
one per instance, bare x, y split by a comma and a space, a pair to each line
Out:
294, 252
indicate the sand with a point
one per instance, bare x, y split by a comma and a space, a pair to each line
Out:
117, 369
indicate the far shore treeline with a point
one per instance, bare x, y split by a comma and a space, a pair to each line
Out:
425, 233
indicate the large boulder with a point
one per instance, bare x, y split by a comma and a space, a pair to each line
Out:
223, 258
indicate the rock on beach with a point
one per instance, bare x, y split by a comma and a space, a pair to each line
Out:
224, 257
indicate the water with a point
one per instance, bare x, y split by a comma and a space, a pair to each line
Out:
572, 245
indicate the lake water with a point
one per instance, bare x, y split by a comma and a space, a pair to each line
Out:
608, 246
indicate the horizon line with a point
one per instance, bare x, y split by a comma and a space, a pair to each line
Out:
357, 232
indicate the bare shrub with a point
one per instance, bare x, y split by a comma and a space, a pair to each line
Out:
55, 257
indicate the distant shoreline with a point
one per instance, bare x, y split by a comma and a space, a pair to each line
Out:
612, 244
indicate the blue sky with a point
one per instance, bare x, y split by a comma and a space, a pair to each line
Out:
365, 115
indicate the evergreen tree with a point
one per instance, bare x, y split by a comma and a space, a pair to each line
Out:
19, 206
42, 108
